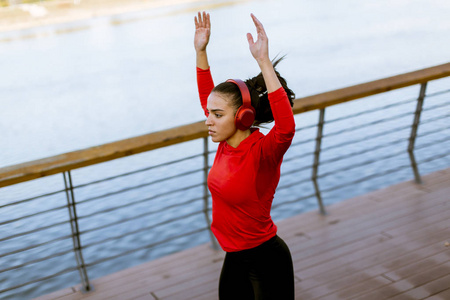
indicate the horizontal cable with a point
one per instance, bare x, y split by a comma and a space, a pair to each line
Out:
432, 132
434, 119
371, 110
384, 173
306, 127
36, 245
306, 154
135, 217
438, 93
342, 157
367, 137
389, 131
67, 270
367, 162
37, 260
140, 170
303, 142
364, 151
146, 247
139, 201
440, 105
434, 158
365, 178
432, 143
34, 230
140, 186
30, 199
33, 215
293, 171
296, 170
386, 132
349, 129
143, 229
288, 185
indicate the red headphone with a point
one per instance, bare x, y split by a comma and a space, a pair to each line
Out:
246, 113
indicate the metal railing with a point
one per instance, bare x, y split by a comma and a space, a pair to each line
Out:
138, 213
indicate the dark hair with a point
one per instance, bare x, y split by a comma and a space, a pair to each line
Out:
258, 93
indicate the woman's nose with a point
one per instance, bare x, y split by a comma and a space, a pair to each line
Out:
208, 121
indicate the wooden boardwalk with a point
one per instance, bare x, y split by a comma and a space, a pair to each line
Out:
388, 244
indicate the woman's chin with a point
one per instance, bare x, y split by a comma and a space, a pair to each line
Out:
215, 139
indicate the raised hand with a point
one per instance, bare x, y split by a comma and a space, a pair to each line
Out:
202, 31
260, 48
260, 51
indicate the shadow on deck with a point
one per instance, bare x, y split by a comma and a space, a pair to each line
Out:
388, 244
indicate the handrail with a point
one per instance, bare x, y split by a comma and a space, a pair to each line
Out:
72, 160
371, 88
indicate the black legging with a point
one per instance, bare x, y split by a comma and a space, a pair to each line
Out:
264, 272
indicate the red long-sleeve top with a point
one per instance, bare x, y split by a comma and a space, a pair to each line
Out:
242, 180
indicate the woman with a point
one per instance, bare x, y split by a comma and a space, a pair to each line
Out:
246, 170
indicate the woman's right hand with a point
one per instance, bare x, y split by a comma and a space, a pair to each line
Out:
202, 31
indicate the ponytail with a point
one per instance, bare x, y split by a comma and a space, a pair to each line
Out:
258, 93
260, 97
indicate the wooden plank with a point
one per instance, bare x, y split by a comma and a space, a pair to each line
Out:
186, 290
157, 275
183, 283
435, 283
356, 289
371, 88
419, 266
350, 274
340, 236
158, 272
339, 216
366, 257
361, 206
407, 281
444, 295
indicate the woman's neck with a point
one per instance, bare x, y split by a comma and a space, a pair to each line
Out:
238, 137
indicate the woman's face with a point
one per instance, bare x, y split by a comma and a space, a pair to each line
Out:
220, 119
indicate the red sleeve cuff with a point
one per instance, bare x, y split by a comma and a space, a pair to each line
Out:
277, 95
202, 70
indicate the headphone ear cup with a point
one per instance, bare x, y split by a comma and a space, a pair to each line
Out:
244, 118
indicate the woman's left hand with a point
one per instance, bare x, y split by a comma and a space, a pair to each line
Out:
260, 48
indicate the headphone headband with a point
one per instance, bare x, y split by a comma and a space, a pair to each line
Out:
246, 100
246, 113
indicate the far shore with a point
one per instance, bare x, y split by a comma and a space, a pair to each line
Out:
18, 17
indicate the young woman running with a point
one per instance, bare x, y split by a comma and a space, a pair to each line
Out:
246, 170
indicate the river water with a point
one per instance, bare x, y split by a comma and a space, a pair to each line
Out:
71, 86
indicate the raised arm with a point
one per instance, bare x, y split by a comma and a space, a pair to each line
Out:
205, 82
279, 138
260, 51
201, 39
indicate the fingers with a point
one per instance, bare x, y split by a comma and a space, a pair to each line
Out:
250, 39
259, 26
208, 21
202, 20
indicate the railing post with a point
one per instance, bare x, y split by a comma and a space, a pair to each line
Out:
214, 243
414, 127
71, 205
316, 160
